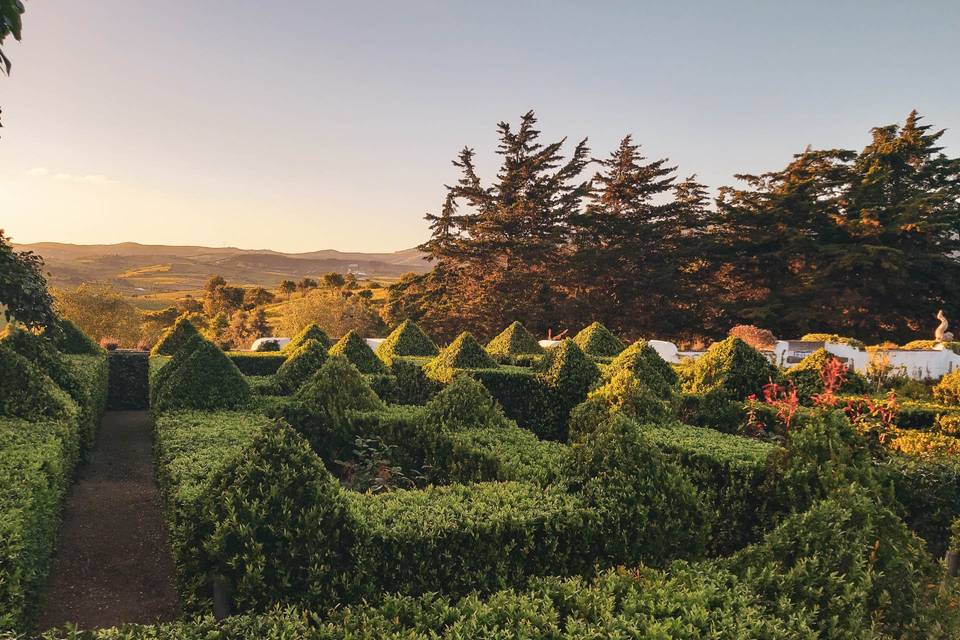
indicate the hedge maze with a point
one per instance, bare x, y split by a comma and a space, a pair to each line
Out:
587, 490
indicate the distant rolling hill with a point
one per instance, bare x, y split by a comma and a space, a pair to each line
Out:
140, 268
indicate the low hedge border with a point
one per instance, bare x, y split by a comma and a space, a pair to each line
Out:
129, 380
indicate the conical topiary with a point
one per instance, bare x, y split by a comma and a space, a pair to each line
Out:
731, 367
310, 332
407, 339
71, 339
515, 340
463, 353
200, 376
647, 366
567, 373
40, 350
302, 363
463, 404
273, 522
174, 337
26, 392
596, 340
358, 352
339, 387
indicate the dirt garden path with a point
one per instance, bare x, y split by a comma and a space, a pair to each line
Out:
113, 562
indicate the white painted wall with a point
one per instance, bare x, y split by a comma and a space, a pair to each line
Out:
919, 365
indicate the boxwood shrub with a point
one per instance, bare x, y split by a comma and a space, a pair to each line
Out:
174, 337
947, 391
258, 363
647, 366
29, 393
69, 338
512, 342
731, 367
300, 365
129, 380
567, 374
310, 332
408, 339
358, 352
200, 376
463, 353
596, 340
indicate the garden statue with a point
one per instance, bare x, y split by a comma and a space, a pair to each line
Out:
941, 334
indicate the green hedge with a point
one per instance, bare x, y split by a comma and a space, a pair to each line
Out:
200, 376
929, 491
129, 380
729, 472
688, 602
258, 363
256, 507
38, 452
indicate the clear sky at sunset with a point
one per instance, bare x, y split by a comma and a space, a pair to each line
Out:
300, 125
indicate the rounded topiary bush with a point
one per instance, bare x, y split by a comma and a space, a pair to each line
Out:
408, 339
310, 332
200, 376
732, 367
463, 353
27, 392
947, 391
300, 365
274, 525
853, 564
648, 510
358, 352
69, 338
647, 366
463, 404
174, 337
513, 341
596, 340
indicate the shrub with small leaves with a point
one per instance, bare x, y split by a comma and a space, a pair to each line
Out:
596, 340
200, 376
408, 339
568, 374
69, 338
274, 525
648, 510
732, 367
624, 393
947, 391
310, 332
463, 353
40, 351
358, 352
300, 365
463, 404
647, 366
514, 341
27, 392
174, 337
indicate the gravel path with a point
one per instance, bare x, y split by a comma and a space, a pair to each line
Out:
113, 562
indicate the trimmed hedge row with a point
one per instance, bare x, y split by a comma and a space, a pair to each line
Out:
258, 363
129, 380
37, 458
238, 487
729, 472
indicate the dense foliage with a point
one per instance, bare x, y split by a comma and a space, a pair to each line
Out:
301, 363
175, 337
200, 376
407, 339
596, 340
513, 341
23, 287
358, 352
552, 245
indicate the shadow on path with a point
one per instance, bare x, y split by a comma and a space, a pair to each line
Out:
113, 562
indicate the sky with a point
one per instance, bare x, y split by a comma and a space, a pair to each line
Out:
300, 125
